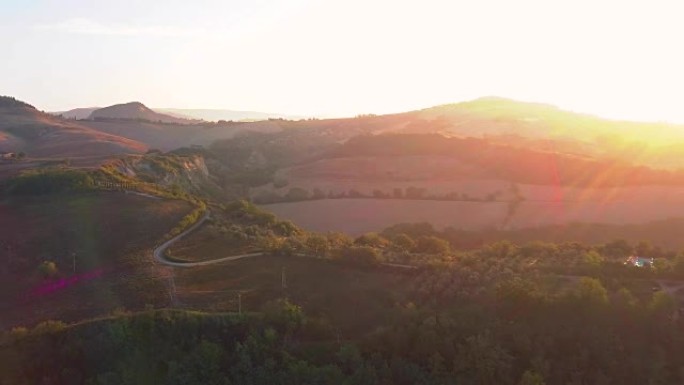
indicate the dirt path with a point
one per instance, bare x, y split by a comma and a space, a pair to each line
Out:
160, 251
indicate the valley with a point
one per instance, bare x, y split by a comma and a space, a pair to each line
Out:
310, 240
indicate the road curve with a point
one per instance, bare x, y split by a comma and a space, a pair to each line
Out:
160, 251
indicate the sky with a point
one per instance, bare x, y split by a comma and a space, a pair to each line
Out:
617, 59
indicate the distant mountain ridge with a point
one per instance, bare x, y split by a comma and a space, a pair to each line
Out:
134, 111
188, 114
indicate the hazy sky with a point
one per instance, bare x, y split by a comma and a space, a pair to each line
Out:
622, 59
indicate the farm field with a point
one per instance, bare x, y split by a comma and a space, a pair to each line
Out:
357, 216
314, 284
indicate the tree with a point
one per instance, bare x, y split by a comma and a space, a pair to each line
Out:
618, 249
361, 255
318, 245
415, 192
432, 245
483, 361
297, 194
592, 260
339, 240
397, 193
403, 242
531, 377
372, 240
318, 194
591, 290
47, 269
379, 194
287, 316
662, 304
645, 249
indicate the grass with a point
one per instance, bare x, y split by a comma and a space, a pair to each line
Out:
358, 299
111, 234
206, 243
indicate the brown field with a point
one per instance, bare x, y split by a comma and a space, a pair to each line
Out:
614, 206
312, 283
112, 235
438, 175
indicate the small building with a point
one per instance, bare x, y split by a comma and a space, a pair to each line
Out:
7, 155
639, 261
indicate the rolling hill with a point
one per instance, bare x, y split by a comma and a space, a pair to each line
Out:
518, 124
76, 113
25, 129
134, 111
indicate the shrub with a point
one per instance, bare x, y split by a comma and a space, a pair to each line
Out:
48, 269
361, 256
49, 182
432, 245
49, 327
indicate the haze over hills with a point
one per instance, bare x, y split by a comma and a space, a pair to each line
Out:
190, 114
220, 114
133, 111
498, 120
76, 113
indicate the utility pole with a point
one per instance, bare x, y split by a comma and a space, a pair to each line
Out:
239, 302
283, 279
73, 257
171, 285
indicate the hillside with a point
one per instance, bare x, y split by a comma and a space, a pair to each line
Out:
107, 232
519, 124
169, 136
25, 129
134, 111
512, 121
76, 113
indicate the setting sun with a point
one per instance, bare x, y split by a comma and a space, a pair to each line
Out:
295, 192
617, 59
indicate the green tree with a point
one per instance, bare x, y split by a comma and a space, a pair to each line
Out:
617, 249
318, 245
403, 242
297, 194
48, 269
361, 255
372, 240
318, 194
530, 377
432, 245
483, 361
590, 290
662, 304
592, 260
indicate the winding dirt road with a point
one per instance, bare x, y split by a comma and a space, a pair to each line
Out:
160, 251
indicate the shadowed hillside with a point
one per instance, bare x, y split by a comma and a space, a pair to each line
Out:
134, 111
25, 129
